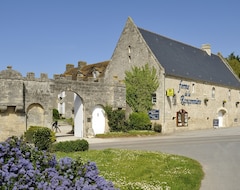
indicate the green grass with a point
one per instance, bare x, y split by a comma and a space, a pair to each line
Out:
131, 133
142, 170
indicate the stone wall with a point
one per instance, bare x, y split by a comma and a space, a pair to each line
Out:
28, 101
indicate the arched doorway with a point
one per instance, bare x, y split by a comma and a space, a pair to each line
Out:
35, 115
98, 120
78, 116
221, 118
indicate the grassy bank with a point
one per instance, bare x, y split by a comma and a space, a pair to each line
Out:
144, 170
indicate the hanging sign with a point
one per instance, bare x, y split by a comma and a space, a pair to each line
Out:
170, 92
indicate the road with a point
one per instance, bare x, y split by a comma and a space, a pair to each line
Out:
218, 151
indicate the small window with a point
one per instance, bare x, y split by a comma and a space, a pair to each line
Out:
229, 94
154, 98
193, 88
129, 49
213, 92
129, 59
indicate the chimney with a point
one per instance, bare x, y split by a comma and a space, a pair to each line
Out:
69, 66
207, 48
81, 64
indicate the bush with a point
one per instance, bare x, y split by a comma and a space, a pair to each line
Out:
71, 146
139, 121
25, 167
157, 127
116, 119
42, 138
28, 135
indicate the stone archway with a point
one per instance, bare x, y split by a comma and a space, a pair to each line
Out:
35, 115
98, 120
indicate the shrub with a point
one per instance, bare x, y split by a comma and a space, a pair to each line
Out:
116, 119
28, 135
42, 138
25, 167
56, 114
157, 127
139, 121
71, 146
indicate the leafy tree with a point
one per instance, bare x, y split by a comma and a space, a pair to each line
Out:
234, 62
141, 83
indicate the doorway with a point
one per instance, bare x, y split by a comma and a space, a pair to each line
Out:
98, 120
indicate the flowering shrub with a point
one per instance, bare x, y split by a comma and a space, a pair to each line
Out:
24, 167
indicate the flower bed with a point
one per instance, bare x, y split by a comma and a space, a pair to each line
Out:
24, 167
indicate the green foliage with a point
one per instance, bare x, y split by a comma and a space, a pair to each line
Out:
157, 127
56, 114
234, 62
71, 146
42, 138
139, 121
116, 119
28, 135
141, 83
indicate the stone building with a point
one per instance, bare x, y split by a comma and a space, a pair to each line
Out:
197, 89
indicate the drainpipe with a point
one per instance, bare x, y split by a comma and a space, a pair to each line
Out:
164, 91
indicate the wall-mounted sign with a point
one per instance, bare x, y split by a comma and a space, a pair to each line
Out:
153, 114
183, 86
189, 101
170, 92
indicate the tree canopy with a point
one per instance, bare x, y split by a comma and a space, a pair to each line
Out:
234, 62
141, 83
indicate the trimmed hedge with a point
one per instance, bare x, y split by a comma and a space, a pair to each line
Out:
139, 121
71, 146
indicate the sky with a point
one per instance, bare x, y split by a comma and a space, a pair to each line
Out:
42, 36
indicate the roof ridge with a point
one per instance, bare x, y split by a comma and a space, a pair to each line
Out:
179, 42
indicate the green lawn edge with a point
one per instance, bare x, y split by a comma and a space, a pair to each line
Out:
134, 169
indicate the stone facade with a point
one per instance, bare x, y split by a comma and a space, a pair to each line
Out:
194, 103
29, 101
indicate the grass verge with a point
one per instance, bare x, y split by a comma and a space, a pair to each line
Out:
143, 170
131, 133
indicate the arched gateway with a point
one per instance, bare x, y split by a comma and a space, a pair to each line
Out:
33, 99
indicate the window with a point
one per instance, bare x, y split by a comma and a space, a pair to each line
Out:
129, 59
129, 49
193, 88
229, 94
213, 92
154, 98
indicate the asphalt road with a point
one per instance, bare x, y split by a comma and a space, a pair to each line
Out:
218, 151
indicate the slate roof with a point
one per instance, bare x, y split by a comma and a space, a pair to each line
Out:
184, 61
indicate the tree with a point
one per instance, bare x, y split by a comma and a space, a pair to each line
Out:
141, 83
234, 62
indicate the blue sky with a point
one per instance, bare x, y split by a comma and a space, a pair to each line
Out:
42, 36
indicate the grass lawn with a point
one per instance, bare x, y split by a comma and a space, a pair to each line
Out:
143, 170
